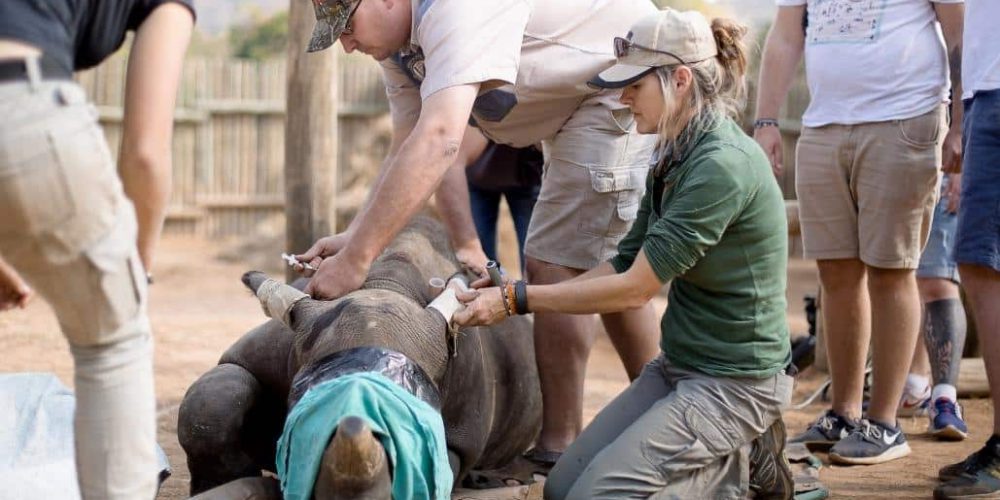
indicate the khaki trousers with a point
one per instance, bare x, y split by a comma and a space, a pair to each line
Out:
673, 433
67, 227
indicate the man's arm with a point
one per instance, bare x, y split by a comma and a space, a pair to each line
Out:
154, 70
408, 181
952, 19
782, 53
454, 207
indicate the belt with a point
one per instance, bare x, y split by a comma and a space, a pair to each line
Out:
17, 69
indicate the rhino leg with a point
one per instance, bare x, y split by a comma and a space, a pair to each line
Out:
228, 426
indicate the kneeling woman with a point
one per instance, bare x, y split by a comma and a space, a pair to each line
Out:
704, 418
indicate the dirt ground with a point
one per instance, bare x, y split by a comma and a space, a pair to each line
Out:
198, 308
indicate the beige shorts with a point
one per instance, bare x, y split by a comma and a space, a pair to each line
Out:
67, 226
594, 177
868, 191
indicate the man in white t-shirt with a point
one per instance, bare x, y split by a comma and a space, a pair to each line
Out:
867, 174
977, 247
520, 69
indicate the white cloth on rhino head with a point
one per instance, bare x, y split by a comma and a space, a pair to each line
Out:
277, 299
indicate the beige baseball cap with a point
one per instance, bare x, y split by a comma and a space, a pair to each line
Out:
661, 39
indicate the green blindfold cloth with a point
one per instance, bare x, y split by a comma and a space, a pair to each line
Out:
410, 430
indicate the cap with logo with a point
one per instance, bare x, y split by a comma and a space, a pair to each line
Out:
661, 39
331, 20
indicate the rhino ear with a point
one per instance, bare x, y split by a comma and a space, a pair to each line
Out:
276, 298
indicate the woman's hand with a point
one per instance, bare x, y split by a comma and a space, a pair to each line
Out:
482, 307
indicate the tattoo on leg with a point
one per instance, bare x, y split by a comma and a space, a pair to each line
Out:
944, 334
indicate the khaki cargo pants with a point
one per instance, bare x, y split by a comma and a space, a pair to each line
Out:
673, 433
67, 227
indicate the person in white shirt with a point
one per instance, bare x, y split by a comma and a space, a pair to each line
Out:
867, 175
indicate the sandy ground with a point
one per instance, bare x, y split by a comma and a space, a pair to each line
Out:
199, 307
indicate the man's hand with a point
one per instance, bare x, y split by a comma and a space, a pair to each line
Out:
14, 292
336, 276
482, 307
951, 159
323, 248
472, 257
954, 192
769, 139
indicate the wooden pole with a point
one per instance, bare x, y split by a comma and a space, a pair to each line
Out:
310, 135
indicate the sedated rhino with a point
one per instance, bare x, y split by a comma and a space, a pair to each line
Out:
484, 380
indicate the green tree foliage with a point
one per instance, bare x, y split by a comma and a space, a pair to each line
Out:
262, 39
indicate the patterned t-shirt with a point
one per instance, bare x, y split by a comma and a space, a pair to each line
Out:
872, 60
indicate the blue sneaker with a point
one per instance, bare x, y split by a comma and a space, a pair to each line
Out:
946, 421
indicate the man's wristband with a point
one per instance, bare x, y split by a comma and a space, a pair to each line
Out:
764, 122
521, 296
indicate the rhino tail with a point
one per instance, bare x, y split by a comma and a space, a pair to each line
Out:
354, 463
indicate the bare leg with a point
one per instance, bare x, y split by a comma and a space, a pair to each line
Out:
895, 305
635, 335
562, 344
982, 288
847, 325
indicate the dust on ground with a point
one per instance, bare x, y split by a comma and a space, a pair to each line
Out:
198, 307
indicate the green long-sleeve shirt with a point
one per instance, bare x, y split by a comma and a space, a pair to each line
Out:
715, 224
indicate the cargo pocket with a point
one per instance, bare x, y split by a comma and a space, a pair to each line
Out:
117, 290
718, 437
611, 205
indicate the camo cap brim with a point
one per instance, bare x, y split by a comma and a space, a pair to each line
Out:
331, 20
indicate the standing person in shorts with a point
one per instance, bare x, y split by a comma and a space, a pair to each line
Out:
867, 177
977, 248
939, 349
520, 69
77, 233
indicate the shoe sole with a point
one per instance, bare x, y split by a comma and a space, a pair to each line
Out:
887, 456
949, 433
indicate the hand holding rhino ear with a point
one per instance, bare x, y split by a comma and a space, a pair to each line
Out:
482, 307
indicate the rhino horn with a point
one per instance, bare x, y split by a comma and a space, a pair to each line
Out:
354, 464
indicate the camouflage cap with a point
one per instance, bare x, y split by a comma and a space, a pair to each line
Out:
331, 19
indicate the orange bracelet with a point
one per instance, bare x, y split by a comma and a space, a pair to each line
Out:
509, 296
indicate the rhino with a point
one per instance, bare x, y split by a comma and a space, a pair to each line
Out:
483, 379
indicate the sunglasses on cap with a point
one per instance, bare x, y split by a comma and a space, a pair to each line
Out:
624, 46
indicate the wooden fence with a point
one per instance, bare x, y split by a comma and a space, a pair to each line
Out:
229, 138
229, 141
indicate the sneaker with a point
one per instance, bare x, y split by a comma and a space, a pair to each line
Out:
825, 431
979, 479
946, 421
971, 462
770, 474
870, 443
913, 406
